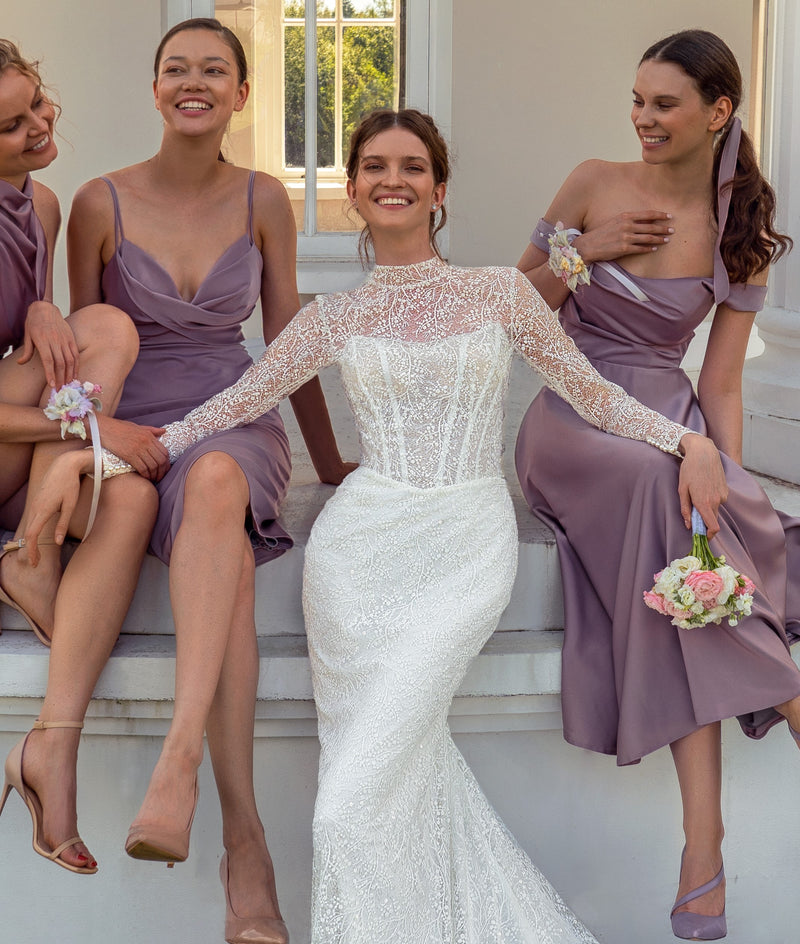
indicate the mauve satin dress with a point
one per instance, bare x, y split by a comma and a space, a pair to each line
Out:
632, 682
190, 350
23, 261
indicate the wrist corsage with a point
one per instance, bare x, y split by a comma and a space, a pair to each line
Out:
71, 404
565, 261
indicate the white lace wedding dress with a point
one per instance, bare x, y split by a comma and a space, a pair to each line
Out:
408, 569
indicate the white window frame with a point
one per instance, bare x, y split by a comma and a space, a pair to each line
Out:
329, 261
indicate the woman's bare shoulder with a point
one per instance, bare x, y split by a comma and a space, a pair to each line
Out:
45, 203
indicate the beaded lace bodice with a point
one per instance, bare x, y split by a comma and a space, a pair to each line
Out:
425, 351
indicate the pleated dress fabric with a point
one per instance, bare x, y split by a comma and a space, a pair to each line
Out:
190, 350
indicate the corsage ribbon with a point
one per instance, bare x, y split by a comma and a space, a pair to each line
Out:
71, 404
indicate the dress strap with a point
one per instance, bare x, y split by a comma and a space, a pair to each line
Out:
250, 186
118, 234
725, 175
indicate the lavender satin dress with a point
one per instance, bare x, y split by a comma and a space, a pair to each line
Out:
190, 350
23, 261
631, 682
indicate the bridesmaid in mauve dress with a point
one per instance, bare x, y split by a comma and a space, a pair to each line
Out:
187, 244
70, 609
633, 683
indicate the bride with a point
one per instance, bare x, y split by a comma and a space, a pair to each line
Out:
399, 596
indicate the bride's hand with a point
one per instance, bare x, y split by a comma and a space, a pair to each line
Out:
702, 481
626, 234
58, 494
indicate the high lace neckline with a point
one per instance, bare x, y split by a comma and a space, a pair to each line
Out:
405, 274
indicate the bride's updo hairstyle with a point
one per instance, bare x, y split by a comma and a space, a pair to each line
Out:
424, 127
750, 242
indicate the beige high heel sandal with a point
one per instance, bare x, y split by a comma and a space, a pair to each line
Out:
41, 635
15, 779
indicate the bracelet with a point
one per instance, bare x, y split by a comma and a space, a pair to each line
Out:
565, 261
70, 404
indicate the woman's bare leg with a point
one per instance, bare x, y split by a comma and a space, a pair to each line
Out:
88, 619
698, 761
205, 577
108, 345
230, 732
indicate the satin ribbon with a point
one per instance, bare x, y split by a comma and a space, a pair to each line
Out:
727, 170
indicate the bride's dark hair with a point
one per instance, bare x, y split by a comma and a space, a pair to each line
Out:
424, 127
750, 241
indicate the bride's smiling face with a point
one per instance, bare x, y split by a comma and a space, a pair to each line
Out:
394, 188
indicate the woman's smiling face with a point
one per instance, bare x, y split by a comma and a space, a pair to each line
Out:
671, 118
198, 87
394, 187
26, 126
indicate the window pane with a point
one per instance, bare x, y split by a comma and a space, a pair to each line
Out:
326, 96
368, 8
368, 75
360, 66
294, 64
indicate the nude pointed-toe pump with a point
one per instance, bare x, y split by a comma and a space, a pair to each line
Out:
249, 930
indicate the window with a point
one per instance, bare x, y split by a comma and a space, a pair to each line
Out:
359, 64
364, 54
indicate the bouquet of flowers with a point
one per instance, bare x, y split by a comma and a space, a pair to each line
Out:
565, 261
700, 588
70, 404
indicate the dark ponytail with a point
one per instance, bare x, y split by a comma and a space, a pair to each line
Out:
750, 241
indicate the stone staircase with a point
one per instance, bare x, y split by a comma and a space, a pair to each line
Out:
582, 820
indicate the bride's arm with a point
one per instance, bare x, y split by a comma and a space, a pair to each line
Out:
537, 335
299, 352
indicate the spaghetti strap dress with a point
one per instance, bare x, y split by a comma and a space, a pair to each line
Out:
23, 261
632, 682
189, 351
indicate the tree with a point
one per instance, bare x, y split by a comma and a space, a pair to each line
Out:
368, 78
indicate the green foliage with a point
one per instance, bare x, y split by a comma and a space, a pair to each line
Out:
368, 79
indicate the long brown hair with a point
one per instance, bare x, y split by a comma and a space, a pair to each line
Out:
424, 127
750, 241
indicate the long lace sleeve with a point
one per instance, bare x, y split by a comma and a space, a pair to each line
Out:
299, 352
537, 335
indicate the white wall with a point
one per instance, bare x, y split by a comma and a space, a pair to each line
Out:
539, 87
97, 56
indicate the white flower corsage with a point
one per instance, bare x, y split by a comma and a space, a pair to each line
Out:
565, 261
71, 404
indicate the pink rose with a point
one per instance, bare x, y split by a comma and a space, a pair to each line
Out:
705, 585
747, 586
675, 611
655, 601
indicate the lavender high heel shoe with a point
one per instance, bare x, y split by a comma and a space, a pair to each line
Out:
248, 930
697, 927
